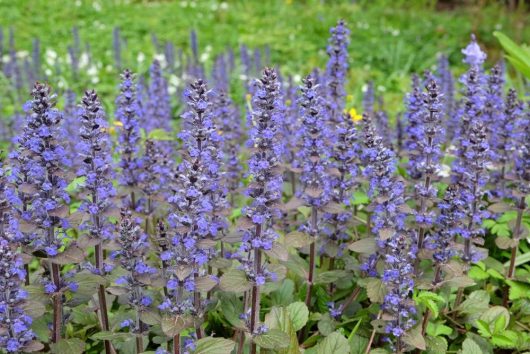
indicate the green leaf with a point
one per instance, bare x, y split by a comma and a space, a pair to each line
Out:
483, 328
376, 290
518, 290
234, 280
438, 329
517, 53
364, 246
171, 326
299, 314
431, 296
460, 282
477, 273
431, 305
496, 318
477, 302
360, 197
161, 135
503, 341
330, 276
436, 345
279, 318
68, 346
358, 344
326, 325
414, 338
273, 339
111, 336
334, 343
211, 345
75, 184
470, 347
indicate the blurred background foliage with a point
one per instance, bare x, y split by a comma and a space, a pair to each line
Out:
390, 39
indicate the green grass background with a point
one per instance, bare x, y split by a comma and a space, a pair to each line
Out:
389, 39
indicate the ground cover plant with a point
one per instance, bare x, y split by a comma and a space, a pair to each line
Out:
245, 208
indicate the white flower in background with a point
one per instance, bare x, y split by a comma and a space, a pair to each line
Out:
223, 6
140, 58
94, 79
204, 57
174, 81
297, 78
109, 68
161, 59
381, 88
83, 60
92, 70
364, 88
50, 56
48, 72
97, 6
243, 77
22, 54
6, 58
183, 4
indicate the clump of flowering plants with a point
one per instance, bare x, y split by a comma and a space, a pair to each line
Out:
156, 229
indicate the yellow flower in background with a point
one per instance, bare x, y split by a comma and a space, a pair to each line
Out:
248, 97
354, 115
118, 123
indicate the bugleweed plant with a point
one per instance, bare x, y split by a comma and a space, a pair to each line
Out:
157, 229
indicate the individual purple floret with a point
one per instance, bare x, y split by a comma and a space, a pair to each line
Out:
414, 128
473, 55
129, 136
336, 71
15, 325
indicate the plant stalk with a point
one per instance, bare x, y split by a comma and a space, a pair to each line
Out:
255, 302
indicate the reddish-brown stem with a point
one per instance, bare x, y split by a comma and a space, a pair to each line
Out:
255, 302
372, 336
176, 344
57, 304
